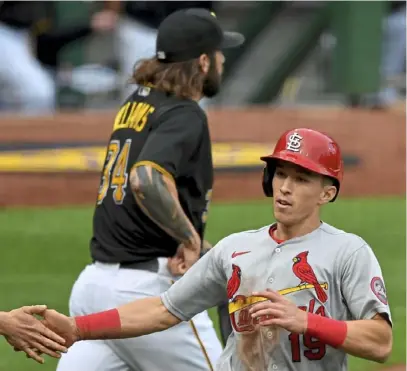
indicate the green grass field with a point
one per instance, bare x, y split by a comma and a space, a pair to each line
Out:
43, 251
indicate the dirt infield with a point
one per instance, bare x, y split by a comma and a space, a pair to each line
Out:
376, 139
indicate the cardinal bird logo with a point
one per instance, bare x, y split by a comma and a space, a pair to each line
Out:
305, 273
234, 281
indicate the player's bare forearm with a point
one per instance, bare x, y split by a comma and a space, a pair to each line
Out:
140, 317
137, 318
145, 316
369, 339
157, 196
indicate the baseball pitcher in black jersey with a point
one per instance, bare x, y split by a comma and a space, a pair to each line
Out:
153, 198
156, 182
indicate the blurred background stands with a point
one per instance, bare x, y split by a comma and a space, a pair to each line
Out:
297, 53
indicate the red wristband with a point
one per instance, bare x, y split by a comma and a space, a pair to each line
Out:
330, 331
99, 325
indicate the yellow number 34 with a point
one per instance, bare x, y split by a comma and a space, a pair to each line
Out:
116, 179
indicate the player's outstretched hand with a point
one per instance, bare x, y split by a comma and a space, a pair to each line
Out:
26, 333
279, 311
62, 325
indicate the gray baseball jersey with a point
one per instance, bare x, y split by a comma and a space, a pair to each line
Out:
328, 272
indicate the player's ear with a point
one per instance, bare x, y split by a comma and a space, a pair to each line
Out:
327, 194
204, 62
328, 190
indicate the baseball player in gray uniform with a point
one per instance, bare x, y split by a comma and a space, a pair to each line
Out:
302, 293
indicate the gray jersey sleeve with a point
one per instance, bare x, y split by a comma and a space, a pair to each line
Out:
201, 288
363, 285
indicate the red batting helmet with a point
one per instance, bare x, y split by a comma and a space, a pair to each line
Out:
309, 149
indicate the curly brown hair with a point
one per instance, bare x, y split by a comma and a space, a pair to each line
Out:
183, 79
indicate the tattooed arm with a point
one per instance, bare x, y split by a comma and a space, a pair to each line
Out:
156, 194
165, 155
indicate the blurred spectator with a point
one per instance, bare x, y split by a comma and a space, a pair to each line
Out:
30, 43
22, 77
393, 56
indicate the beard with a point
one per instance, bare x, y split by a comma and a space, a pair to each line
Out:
211, 85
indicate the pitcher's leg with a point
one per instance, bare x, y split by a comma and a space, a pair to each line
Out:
188, 346
91, 293
91, 356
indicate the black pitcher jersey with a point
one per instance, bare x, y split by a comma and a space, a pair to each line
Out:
171, 135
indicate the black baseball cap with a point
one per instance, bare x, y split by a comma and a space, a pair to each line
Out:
186, 34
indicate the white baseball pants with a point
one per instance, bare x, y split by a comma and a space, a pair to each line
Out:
188, 346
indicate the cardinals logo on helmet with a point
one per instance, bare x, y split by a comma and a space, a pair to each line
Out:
305, 273
234, 281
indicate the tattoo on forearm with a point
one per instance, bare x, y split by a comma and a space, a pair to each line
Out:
158, 203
